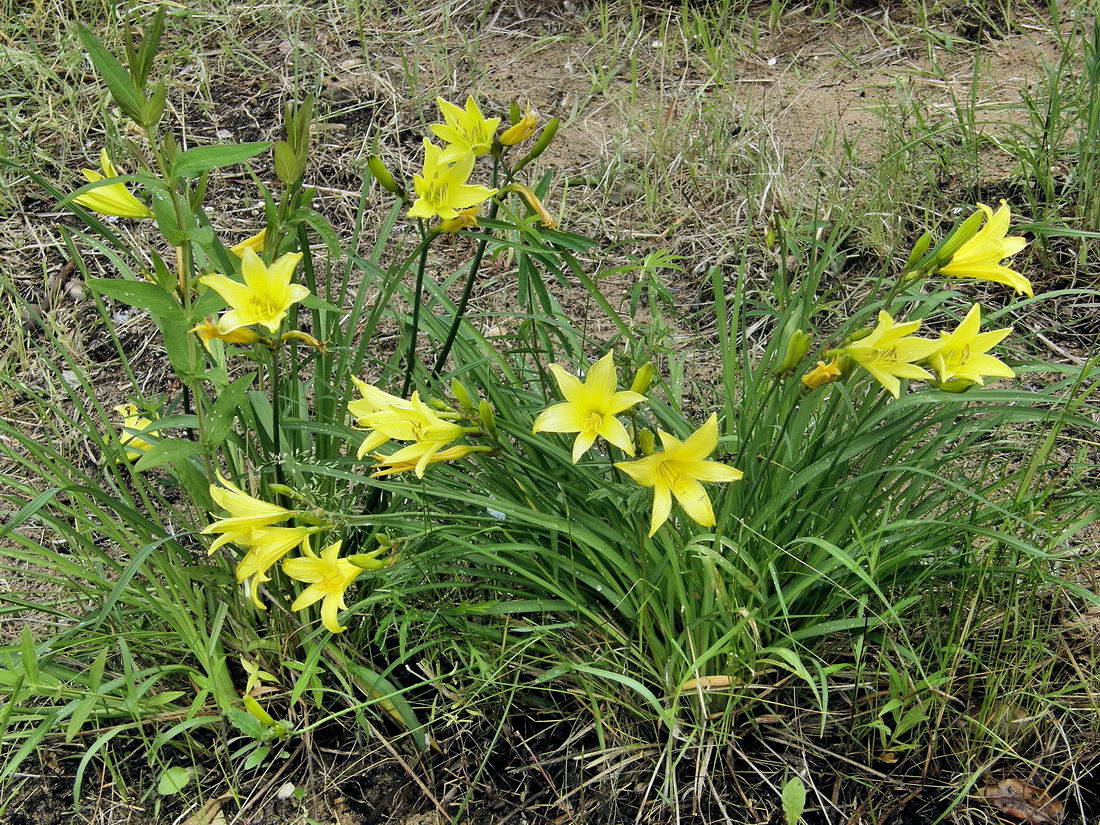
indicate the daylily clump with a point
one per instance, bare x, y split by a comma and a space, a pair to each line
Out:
590, 408
679, 470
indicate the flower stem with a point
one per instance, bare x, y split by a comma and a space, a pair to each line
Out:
411, 361
475, 265
276, 417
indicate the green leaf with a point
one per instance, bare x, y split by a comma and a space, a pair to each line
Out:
167, 222
201, 159
118, 80
256, 757
247, 724
28, 654
311, 301
794, 800
138, 294
165, 450
173, 780
220, 419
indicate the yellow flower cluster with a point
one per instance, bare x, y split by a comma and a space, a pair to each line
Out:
442, 186
960, 359
250, 525
676, 471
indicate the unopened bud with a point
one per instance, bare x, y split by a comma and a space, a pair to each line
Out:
858, 335
646, 442
920, 248
520, 130
961, 234
547, 135
488, 419
461, 394
955, 385
253, 707
382, 175
797, 345
465, 219
643, 378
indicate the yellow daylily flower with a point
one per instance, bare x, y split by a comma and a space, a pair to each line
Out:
678, 470
388, 466
963, 353
981, 256
266, 546
135, 445
112, 198
255, 243
265, 296
441, 186
371, 400
466, 131
411, 421
246, 514
890, 352
821, 375
520, 130
328, 577
210, 329
590, 408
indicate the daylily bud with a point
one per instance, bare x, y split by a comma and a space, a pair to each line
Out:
646, 442
289, 165
514, 114
209, 329
797, 345
858, 335
382, 175
520, 130
304, 338
918, 252
960, 235
261, 715
284, 490
643, 378
488, 419
461, 394
547, 135
370, 561
955, 385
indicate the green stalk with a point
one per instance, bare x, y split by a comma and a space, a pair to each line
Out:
468, 288
410, 364
276, 418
